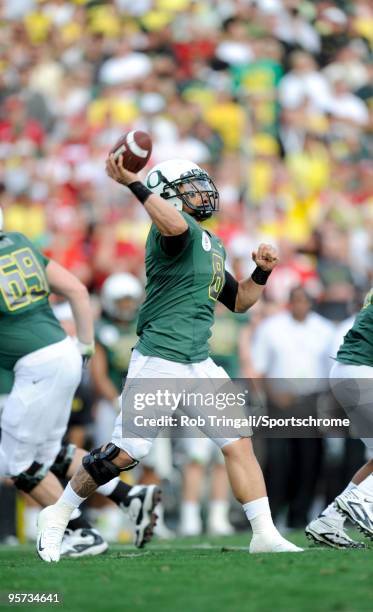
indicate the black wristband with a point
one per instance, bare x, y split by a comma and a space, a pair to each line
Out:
140, 191
260, 276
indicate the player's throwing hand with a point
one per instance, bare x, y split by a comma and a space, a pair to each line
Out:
265, 257
116, 170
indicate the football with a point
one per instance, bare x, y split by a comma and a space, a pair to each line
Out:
136, 148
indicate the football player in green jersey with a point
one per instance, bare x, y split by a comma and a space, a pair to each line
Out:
351, 381
40, 369
185, 269
46, 363
43, 368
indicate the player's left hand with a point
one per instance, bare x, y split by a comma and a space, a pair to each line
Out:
265, 257
86, 351
116, 171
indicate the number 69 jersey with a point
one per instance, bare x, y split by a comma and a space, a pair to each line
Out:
181, 293
27, 322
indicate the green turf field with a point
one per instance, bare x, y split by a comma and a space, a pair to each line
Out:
197, 575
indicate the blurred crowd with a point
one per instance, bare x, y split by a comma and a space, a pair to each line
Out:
273, 97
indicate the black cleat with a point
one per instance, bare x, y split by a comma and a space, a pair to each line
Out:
143, 500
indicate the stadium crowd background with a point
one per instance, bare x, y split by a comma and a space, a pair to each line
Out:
273, 97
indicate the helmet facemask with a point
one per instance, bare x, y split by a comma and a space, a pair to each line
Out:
196, 182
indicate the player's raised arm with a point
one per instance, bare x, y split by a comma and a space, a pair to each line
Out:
168, 219
64, 283
240, 296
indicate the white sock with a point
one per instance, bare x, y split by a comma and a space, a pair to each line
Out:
259, 514
70, 498
331, 510
366, 486
218, 509
190, 511
107, 488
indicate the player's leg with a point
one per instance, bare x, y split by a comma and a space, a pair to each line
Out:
247, 482
46, 491
58, 367
116, 490
218, 515
197, 451
36, 480
98, 468
201, 452
29, 416
80, 539
132, 500
328, 528
244, 472
352, 387
356, 501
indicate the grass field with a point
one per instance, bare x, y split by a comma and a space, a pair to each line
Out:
197, 575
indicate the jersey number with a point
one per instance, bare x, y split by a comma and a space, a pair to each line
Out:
217, 280
22, 279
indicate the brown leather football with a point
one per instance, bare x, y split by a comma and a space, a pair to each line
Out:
136, 148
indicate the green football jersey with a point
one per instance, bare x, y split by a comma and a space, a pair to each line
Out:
27, 322
117, 340
181, 292
357, 347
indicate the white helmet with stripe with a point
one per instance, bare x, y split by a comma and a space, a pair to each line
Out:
165, 180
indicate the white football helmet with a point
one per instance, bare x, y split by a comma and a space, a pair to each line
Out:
117, 287
166, 178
